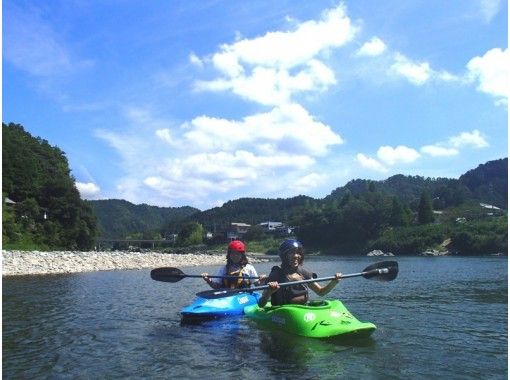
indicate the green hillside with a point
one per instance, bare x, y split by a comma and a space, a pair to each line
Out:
120, 218
47, 212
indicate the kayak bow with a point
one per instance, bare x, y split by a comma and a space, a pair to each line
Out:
203, 309
318, 319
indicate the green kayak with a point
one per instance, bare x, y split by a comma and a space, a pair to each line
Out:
317, 319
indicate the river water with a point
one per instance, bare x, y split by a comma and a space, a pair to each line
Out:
442, 317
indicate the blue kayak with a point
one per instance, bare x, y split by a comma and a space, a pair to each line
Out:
203, 309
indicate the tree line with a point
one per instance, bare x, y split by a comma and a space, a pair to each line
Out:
47, 212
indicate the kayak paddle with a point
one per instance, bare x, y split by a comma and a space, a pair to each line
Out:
169, 274
382, 271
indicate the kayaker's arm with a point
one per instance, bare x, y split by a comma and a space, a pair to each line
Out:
266, 294
261, 280
211, 283
323, 290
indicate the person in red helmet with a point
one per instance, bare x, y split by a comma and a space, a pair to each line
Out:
237, 267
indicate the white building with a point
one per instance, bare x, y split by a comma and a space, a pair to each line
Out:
271, 226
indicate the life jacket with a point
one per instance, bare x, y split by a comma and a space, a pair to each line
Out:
235, 283
286, 294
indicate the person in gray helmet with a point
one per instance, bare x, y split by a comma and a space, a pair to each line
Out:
291, 269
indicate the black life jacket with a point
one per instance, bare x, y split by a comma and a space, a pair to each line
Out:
286, 294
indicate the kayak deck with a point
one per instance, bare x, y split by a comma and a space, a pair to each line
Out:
203, 309
318, 319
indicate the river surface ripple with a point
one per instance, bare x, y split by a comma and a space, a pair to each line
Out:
443, 317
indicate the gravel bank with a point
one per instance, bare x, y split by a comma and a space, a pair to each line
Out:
16, 263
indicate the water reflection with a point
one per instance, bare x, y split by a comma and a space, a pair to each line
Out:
292, 354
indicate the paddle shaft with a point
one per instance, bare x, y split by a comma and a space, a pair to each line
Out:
170, 274
225, 292
227, 277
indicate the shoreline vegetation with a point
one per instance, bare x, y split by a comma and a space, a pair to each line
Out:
20, 263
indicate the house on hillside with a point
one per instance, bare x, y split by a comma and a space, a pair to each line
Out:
277, 228
270, 226
9, 201
491, 207
494, 210
237, 231
284, 231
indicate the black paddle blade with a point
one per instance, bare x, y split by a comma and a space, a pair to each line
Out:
167, 274
382, 271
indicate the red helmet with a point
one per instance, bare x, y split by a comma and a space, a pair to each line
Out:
236, 245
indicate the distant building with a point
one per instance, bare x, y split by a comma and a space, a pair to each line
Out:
171, 237
271, 226
284, 230
277, 228
237, 231
492, 207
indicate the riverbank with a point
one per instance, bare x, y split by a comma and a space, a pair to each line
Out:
18, 263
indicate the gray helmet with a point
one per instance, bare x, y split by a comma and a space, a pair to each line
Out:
288, 246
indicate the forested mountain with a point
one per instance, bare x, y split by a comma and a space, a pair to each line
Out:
487, 183
48, 212
251, 211
120, 218
391, 202
406, 188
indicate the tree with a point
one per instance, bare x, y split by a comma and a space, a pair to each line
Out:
400, 215
425, 214
255, 233
192, 233
48, 213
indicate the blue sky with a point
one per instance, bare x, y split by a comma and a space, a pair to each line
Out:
175, 103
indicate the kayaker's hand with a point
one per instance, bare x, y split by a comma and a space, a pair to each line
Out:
261, 280
206, 278
338, 276
273, 286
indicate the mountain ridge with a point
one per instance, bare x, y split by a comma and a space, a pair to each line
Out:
486, 183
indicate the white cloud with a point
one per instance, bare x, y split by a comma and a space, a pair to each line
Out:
492, 73
309, 181
401, 153
473, 139
289, 49
88, 190
165, 135
370, 163
418, 73
452, 146
259, 69
195, 60
372, 48
489, 8
213, 155
439, 151
289, 128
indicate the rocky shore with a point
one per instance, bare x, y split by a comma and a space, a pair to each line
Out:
16, 263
